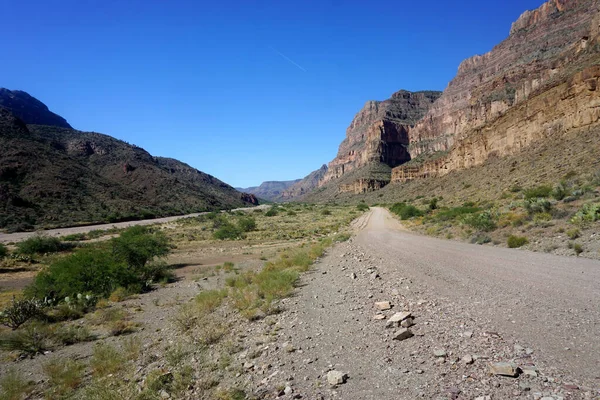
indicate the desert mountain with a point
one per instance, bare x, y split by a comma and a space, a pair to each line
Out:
538, 85
29, 109
57, 176
305, 185
270, 190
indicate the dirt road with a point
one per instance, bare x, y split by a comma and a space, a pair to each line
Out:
20, 236
473, 306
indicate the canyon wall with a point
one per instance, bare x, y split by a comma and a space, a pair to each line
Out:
379, 133
538, 84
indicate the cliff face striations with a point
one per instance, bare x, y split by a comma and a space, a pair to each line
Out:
379, 133
538, 84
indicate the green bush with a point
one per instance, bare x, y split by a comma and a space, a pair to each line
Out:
362, 207
136, 246
516, 241
13, 386
573, 233
272, 212
433, 204
247, 224
29, 340
405, 211
538, 192
39, 244
482, 221
449, 214
537, 205
578, 248
560, 191
99, 272
3, 251
325, 212
588, 213
227, 231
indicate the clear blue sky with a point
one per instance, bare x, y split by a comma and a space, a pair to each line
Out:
245, 91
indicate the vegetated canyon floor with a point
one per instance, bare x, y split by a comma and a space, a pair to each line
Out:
471, 307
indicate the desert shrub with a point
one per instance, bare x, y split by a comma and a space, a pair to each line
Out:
13, 386
516, 241
71, 334
537, 205
578, 248
20, 311
272, 212
587, 213
106, 360
75, 237
64, 376
99, 272
405, 211
573, 233
560, 191
230, 394
227, 231
208, 301
30, 340
119, 294
433, 204
3, 251
362, 207
449, 214
247, 224
291, 213
326, 212
482, 221
538, 192
39, 244
86, 271
137, 245
481, 239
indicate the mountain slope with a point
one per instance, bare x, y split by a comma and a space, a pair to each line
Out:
269, 190
29, 109
54, 176
306, 185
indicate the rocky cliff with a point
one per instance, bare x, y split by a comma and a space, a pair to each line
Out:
380, 133
304, 186
538, 84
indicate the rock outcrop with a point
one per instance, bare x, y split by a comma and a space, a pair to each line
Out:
380, 133
538, 84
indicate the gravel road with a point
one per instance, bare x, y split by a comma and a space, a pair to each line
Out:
473, 306
20, 236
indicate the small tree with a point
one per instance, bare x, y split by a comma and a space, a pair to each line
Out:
136, 246
3, 251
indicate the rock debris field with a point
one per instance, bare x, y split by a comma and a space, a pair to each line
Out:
393, 315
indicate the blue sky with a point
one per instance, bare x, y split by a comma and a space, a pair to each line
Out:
245, 91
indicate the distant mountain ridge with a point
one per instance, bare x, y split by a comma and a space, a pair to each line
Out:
53, 175
269, 190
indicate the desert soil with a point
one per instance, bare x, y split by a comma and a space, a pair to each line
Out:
472, 306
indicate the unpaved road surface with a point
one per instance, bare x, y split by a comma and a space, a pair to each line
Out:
20, 236
472, 305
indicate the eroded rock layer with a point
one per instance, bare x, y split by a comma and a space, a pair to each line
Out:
538, 84
379, 133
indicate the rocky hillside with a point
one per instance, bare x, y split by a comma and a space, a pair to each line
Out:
380, 133
306, 185
539, 84
56, 176
29, 109
270, 190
